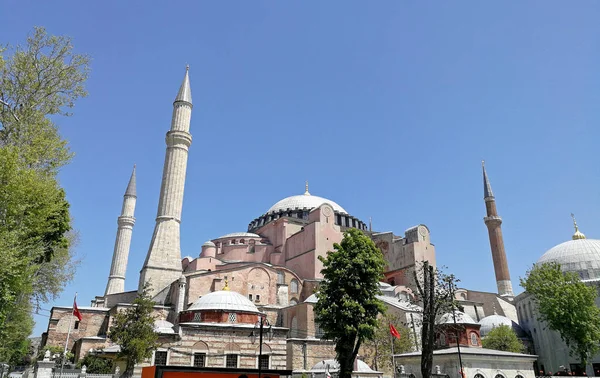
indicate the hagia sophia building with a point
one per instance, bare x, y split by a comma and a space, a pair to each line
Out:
207, 306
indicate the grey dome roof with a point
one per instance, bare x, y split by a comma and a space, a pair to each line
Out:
304, 201
224, 300
209, 244
239, 235
490, 322
312, 299
461, 318
361, 366
163, 326
581, 256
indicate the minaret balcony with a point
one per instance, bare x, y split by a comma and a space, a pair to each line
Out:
492, 219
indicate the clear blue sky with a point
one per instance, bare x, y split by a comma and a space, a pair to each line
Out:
387, 108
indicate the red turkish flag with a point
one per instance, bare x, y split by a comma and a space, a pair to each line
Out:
76, 310
394, 331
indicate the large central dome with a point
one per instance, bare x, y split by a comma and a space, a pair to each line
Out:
581, 256
304, 201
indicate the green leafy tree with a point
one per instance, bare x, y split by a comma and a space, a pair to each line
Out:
503, 338
96, 364
379, 349
133, 330
435, 290
39, 82
567, 306
347, 306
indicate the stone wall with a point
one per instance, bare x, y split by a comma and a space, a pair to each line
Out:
303, 354
93, 323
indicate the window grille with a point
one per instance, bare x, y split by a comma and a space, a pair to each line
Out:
199, 359
232, 317
231, 361
160, 358
263, 361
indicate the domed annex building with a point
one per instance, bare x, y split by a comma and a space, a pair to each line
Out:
208, 302
579, 255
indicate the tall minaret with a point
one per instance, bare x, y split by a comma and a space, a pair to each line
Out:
116, 278
493, 223
163, 262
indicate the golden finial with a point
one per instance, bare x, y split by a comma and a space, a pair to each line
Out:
226, 288
306, 193
578, 234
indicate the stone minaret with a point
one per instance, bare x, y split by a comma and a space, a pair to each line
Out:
493, 223
116, 278
163, 262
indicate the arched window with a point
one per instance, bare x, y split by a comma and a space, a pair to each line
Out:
294, 327
293, 301
474, 340
242, 241
478, 376
294, 286
251, 247
232, 241
499, 376
519, 376
280, 277
442, 339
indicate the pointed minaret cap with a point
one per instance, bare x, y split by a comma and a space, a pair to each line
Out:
306, 193
185, 91
487, 187
131, 191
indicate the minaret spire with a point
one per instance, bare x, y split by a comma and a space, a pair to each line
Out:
493, 223
116, 277
163, 261
306, 193
578, 235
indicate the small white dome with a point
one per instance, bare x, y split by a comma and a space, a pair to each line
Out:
461, 318
209, 244
581, 256
239, 235
304, 201
334, 366
311, 299
224, 300
163, 327
490, 322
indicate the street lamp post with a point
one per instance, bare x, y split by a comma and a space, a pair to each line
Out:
262, 321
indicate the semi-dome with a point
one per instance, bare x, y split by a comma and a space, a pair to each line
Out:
224, 300
461, 318
209, 244
490, 322
581, 256
240, 235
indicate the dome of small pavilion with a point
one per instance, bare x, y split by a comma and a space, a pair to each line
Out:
580, 255
163, 327
208, 244
490, 322
461, 318
224, 300
333, 365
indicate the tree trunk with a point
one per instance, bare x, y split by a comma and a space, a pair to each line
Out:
428, 330
128, 373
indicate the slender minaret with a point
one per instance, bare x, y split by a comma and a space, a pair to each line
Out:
163, 262
116, 278
493, 223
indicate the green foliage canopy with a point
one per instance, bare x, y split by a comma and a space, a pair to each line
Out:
133, 330
347, 306
567, 306
503, 338
96, 364
38, 82
379, 348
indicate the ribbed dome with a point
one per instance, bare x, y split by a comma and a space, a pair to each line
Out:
581, 256
490, 322
461, 318
304, 201
224, 300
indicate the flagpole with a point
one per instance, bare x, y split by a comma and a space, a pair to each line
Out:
393, 361
62, 365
